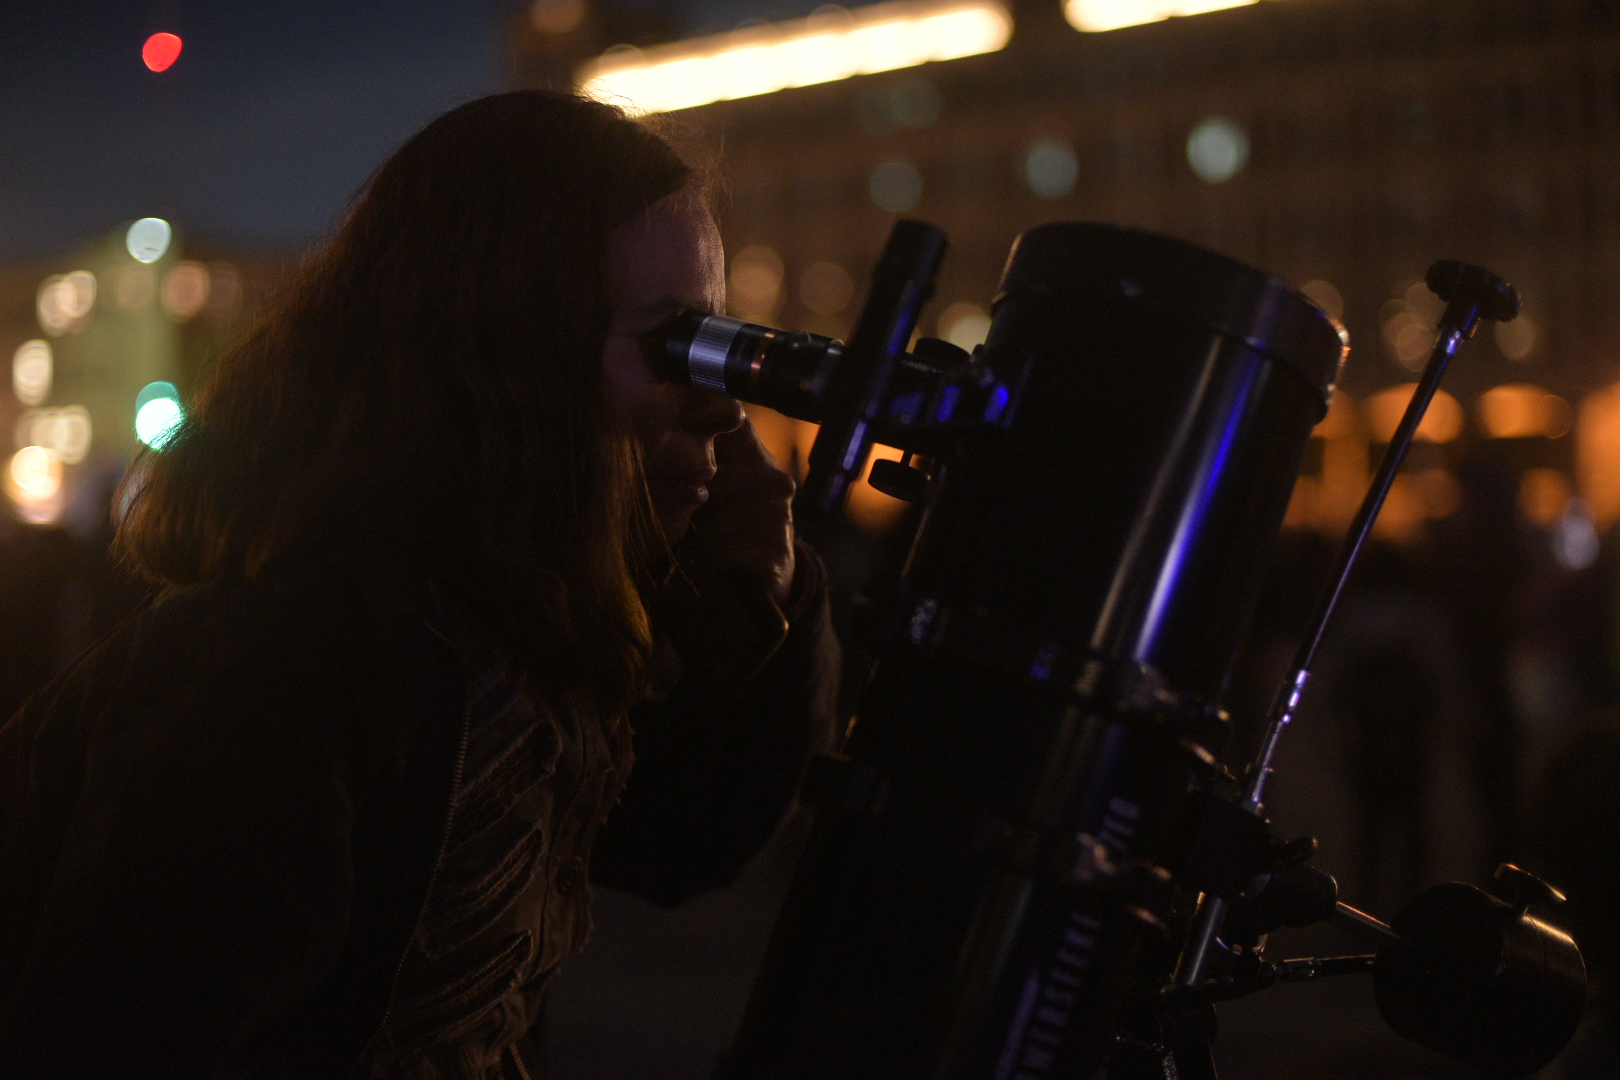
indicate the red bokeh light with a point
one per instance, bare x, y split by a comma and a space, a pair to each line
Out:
161, 51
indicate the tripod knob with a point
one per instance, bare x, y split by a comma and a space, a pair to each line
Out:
1456, 282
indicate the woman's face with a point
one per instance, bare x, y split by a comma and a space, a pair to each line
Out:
662, 262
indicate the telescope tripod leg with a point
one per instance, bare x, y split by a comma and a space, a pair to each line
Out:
1156, 1043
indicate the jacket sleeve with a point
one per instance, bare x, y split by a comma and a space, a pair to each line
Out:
199, 885
718, 768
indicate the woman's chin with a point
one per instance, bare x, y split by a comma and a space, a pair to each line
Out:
675, 527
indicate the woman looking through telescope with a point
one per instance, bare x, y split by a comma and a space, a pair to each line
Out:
441, 557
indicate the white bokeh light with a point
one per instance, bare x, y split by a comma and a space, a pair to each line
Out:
148, 239
36, 472
1093, 16
1217, 149
833, 43
155, 423
31, 371
964, 325
1051, 168
157, 414
896, 186
65, 431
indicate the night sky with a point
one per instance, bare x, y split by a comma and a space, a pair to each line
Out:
273, 115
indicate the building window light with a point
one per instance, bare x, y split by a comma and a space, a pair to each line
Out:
1092, 16
831, 44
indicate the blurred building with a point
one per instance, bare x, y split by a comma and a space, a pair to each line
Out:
105, 344
1341, 145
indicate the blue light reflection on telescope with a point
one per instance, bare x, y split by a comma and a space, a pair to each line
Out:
907, 406
997, 404
1211, 474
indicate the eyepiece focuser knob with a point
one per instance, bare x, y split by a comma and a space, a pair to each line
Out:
1460, 282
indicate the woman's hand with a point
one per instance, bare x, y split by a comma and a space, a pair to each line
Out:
746, 527
722, 609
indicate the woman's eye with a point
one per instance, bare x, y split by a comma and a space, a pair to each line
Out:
654, 352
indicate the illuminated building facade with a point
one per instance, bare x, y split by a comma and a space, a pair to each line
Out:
1340, 143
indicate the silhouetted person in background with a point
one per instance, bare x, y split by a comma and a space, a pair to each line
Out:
1575, 843
1385, 687
1481, 556
1388, 698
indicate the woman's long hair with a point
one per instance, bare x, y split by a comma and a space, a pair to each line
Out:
430, 385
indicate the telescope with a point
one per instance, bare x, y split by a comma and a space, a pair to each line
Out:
1029, 858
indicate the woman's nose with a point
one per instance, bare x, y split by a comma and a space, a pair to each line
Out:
709, 414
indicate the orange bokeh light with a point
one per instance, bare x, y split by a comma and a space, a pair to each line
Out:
161, 51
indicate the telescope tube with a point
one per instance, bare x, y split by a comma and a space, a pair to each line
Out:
1005, 826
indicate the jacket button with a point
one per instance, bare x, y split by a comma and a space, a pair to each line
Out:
570, 875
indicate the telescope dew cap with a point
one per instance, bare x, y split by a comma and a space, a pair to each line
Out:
1454, 281
1090, 262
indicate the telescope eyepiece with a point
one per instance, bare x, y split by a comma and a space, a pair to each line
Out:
758, 364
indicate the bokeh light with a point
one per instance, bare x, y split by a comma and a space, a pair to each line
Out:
964, 325
185, 290
148, 239
1442, 423
161, 51
34, 475
1575, 541
157, 414
754, 286
556, 16
1409, 323
909, 103
1217, 149
826, 288
1325, 296
1516, 339
1094, 16
833, 43
1597, 454
31, 371
64, 302
1051, 168
1423, 303
65, 431
1543, 494
896, 185
133, 286
1523, 411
